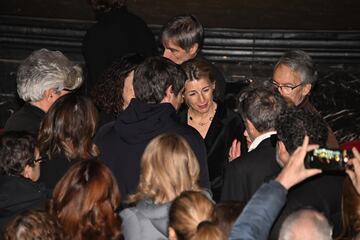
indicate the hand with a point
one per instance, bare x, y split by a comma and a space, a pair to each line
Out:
294, 170
235, 150
354, 173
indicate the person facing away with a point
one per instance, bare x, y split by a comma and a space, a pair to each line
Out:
158, 86
192, 216
294, 77
182, 39
33, 224
116, 33
322, 192
19, 171
168, 167
113, 92
85, 202
306, 224
218, 125
65, 136
259, 108
42, 78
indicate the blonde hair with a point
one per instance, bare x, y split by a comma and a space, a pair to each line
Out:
168, 167
192, 216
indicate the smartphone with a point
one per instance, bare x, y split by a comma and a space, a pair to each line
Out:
328, 159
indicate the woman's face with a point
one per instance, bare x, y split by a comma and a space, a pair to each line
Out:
198, 95
128, 91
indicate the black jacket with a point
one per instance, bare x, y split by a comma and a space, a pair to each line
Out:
123, 141
18, 194
322, 192
244, 175
52, 170
117, 33
224, 128
27, 118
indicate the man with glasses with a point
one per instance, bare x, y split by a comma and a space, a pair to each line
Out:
294, 75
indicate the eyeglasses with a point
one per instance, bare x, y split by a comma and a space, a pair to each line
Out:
285, 88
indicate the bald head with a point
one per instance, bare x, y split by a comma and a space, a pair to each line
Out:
305, 224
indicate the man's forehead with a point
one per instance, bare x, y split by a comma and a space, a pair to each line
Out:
171, 44
285, 75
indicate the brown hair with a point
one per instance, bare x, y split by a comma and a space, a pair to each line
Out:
85, 202
168, 167
196, 69
227, 212
68, 127
350, 214
192, 217
33, 224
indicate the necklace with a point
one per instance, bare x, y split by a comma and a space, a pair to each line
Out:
203, 123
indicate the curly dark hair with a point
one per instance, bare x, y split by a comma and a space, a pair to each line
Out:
16, 151
107, 92
294, 123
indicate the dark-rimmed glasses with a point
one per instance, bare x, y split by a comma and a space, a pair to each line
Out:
285, 88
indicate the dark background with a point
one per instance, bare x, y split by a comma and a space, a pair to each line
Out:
244, 14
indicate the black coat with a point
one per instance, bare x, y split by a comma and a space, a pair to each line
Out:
245, 174
322, 192
123, 141
27, 118
18, 194
116, 34
224, 128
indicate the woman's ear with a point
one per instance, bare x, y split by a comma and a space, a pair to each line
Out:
172, 234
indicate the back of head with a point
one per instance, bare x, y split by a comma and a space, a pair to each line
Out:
294, 123
154, 76
107, 94
33, 224
350, 214
192, 216
305, 224
184, 31
44, 70
227, 212
85, 201
16, 151
301, 62
168, 167
261, 106
68, 127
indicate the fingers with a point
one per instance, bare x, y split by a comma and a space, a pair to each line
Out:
235, 150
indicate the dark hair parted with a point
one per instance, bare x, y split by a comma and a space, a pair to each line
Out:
16, 151
294, 123
107, 93
154, 76
261, 107
33, 224
68, 127
100, 6
85, 202
301, 62
192, 217
184, 31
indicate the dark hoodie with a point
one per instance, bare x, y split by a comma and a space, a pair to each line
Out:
17, 194
123, 141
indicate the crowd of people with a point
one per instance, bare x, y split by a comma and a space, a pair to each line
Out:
149, 150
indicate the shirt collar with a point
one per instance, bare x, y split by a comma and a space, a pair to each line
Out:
259, 139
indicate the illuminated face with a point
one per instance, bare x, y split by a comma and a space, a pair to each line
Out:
177, 54
289, 84
199, 95
128, 91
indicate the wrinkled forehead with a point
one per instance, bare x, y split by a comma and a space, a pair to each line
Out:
284, 75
